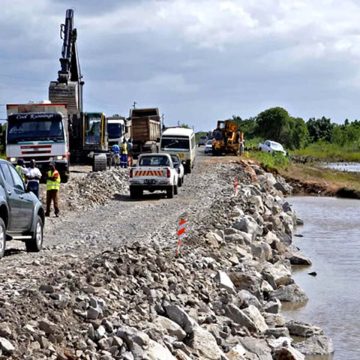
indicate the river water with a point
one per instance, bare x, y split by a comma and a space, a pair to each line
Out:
343, 166
331, 238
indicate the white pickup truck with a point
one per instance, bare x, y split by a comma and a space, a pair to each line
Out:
153, 172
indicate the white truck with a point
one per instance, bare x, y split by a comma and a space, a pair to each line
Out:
38, 131
117, 130
153, 172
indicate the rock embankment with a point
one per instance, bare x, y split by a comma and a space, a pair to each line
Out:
221, 299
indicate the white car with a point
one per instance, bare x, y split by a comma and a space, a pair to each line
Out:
180, 168
272, 147
208, 147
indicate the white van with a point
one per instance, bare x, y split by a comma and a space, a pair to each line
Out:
180, 141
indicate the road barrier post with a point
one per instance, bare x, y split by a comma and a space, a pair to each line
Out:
236, 185
181, 231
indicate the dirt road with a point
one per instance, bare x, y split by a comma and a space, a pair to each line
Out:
122, 220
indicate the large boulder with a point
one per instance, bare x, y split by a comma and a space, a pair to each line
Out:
277, 274
287, 353
290, 293
256, 348
298, 328
205, 344
254, 314
225, 282
315, 345
171, 327
238, 316
177, 314
155, 351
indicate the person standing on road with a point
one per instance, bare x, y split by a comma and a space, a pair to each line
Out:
124, 155
33, 176
129, 148
115, 149
21, 169
52, 190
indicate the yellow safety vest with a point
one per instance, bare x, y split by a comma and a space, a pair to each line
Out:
53, 184
124, 148
20, 171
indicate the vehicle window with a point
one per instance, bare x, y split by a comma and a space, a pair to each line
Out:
174, 143
7, 174
18, 183
175, 160
154, 161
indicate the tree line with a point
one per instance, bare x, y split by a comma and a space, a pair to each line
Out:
295, 133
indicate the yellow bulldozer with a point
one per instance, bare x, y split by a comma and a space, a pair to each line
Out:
227, 139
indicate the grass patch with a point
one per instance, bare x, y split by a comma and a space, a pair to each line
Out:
330, 152
269, 161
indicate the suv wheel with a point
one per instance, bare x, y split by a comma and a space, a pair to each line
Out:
175, 190
170, 192
35, 243
2, 238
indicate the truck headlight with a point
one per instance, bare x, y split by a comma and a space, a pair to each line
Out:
59, 157
12, 159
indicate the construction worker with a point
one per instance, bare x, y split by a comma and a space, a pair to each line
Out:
20, 168
52, 189
115, 156
124, 155
129, 148
33, 176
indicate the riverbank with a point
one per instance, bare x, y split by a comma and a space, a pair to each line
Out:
130, 299
311, 177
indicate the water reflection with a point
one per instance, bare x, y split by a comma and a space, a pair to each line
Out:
331, 238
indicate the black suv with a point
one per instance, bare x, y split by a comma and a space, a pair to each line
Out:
21, 212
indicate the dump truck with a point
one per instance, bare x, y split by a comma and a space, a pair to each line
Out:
87, 131
145, 130
227, 138
38, 131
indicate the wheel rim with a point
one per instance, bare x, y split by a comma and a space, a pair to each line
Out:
38, 234
2, 239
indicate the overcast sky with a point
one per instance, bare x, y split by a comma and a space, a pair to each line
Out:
197, 60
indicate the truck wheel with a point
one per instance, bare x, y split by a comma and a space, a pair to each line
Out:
34, 244
179, 182
64, 178
170, 192
2, 238
189, 169
175, 190
99, 162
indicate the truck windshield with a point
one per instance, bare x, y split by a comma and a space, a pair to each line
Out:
35, 127
114, 131
175, 143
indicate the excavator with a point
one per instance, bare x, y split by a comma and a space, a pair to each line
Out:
227, 139
87, 131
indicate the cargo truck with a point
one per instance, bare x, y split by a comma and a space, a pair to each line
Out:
145, 130
38, 131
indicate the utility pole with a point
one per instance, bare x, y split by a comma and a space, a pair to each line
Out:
134, 104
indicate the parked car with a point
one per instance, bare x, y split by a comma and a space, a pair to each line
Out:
180, 167
202, 140
208, 147
21, 212
272, 147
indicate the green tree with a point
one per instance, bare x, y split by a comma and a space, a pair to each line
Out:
273, 124
320, 129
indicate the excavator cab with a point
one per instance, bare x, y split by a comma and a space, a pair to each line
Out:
95, 132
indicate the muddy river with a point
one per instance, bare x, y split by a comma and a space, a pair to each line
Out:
331, 238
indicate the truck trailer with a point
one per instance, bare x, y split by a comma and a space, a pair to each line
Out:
145, 130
